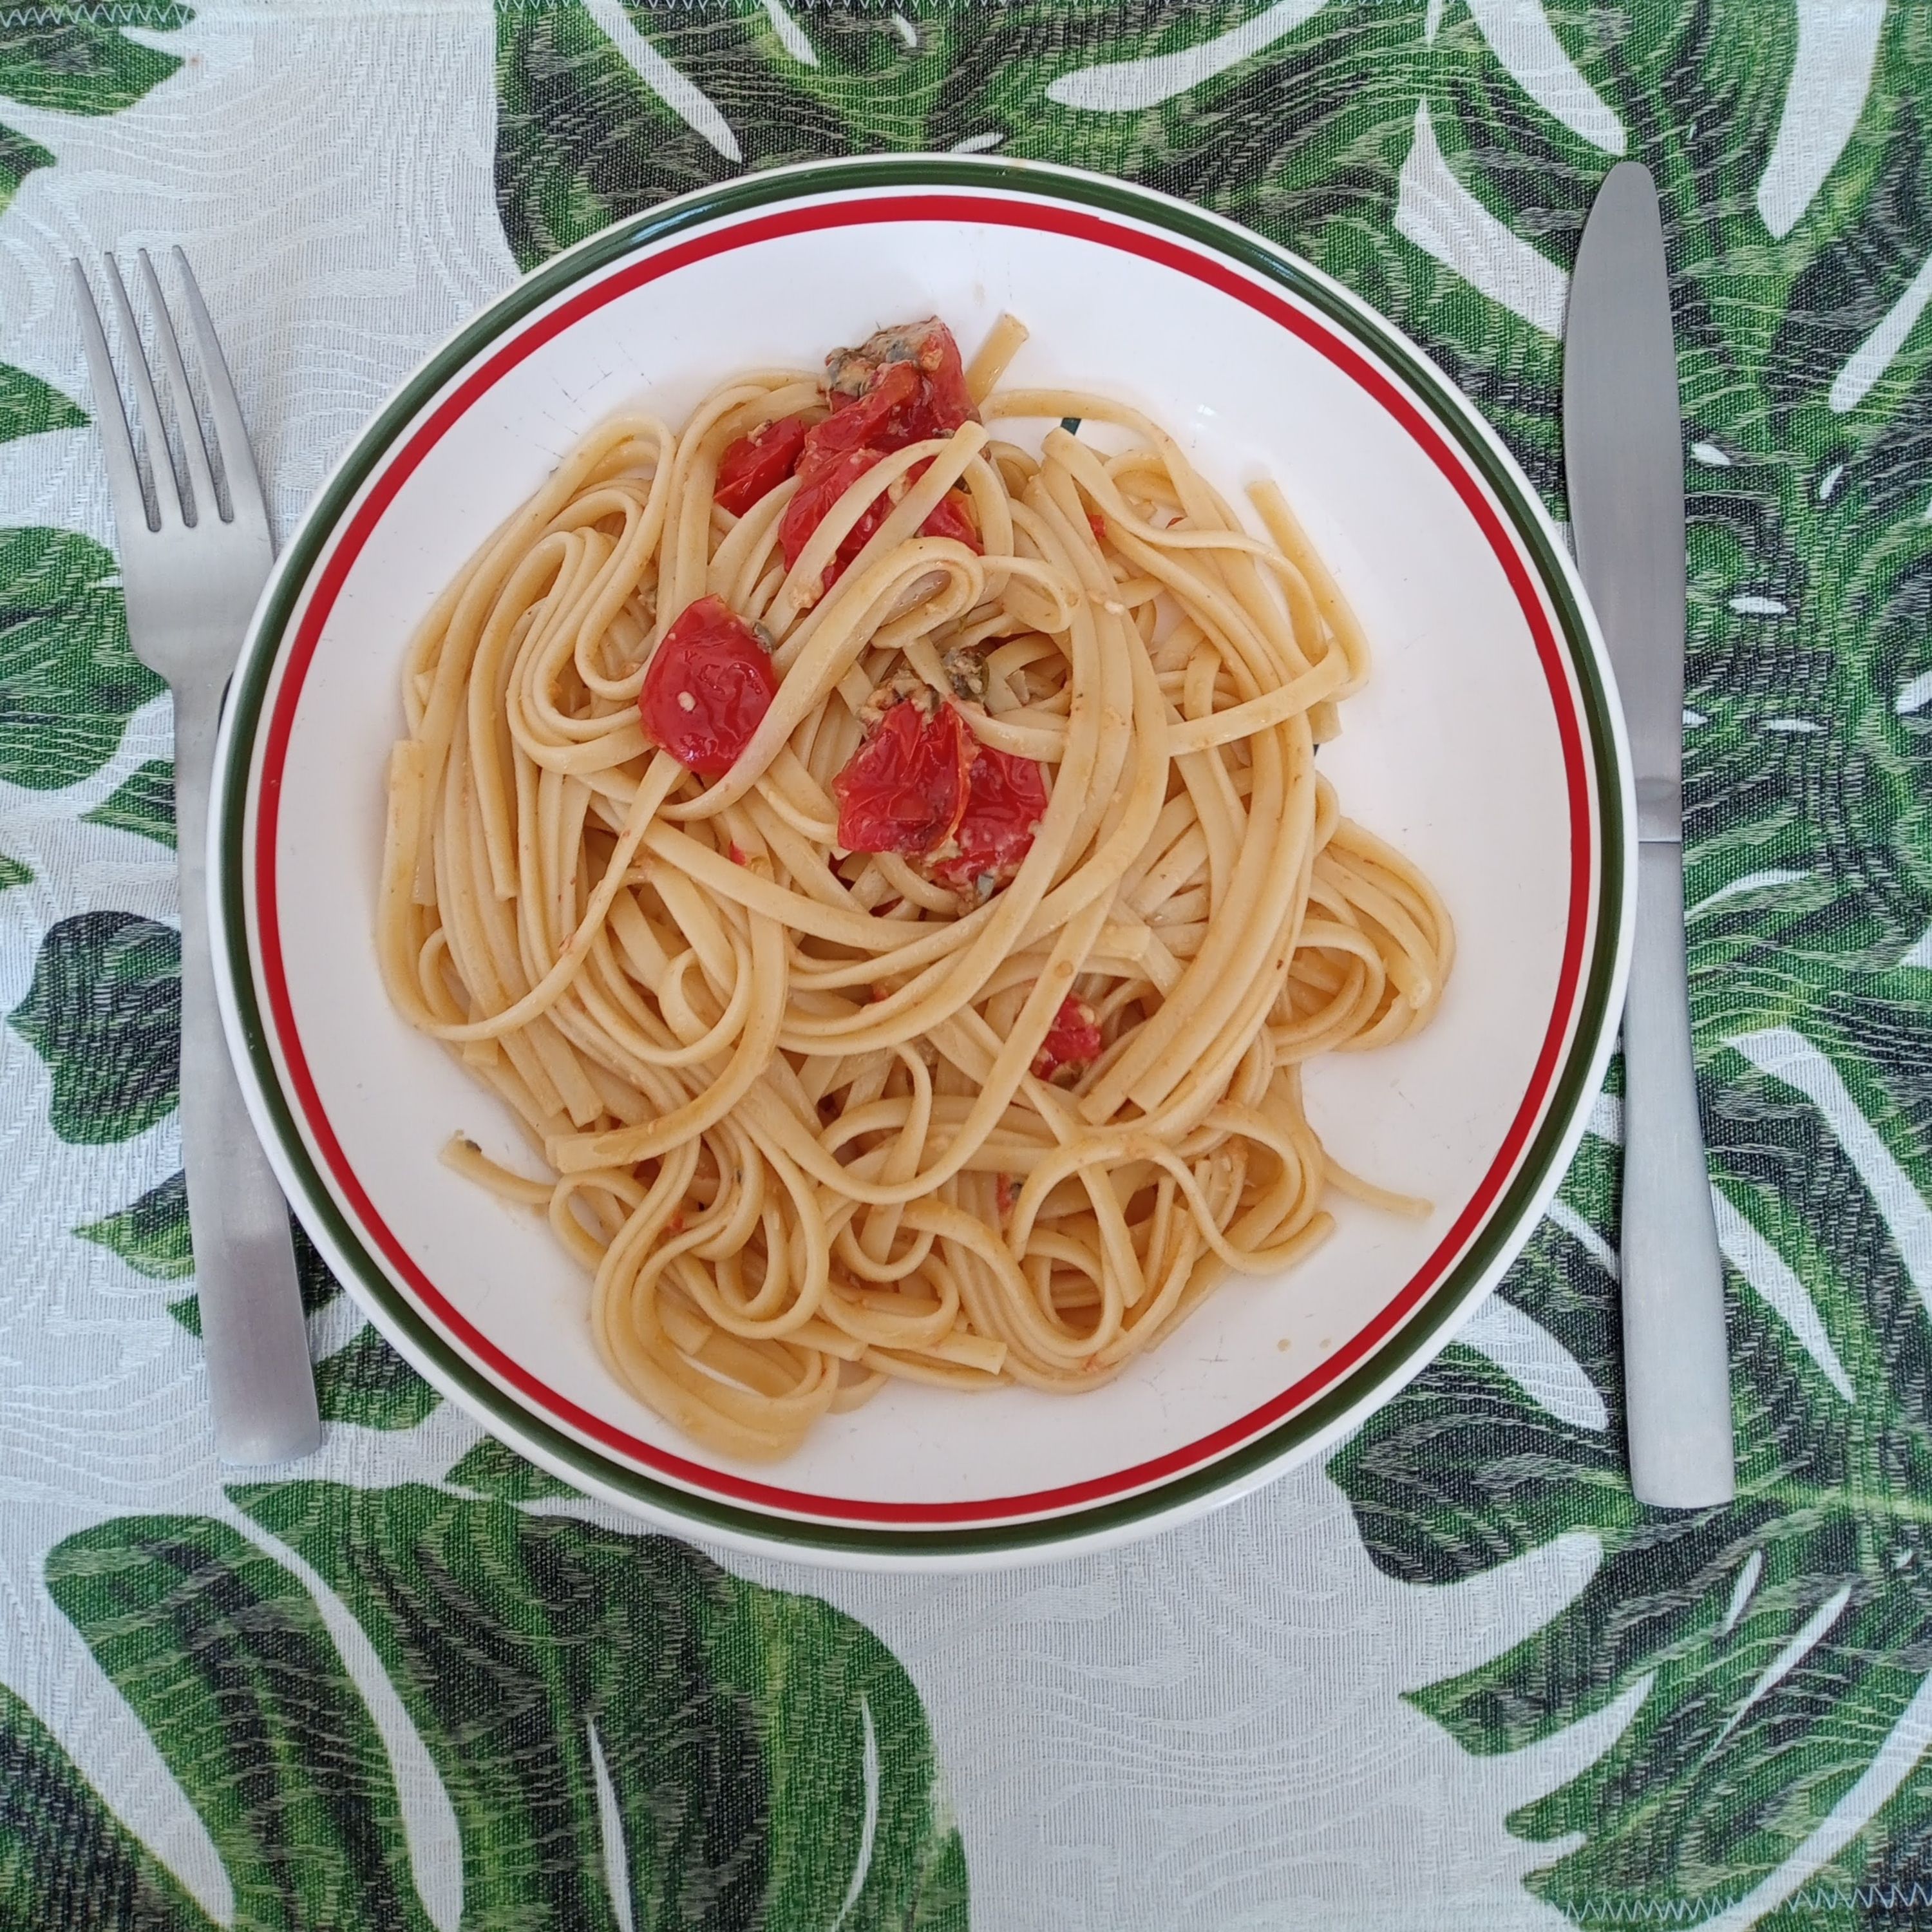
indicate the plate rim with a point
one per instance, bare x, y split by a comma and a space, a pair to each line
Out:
1464, 1282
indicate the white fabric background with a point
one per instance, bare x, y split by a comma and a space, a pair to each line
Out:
1206, 1730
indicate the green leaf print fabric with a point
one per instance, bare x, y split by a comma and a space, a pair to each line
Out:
104, 1013
625, 1734
68, 682
1457, 1678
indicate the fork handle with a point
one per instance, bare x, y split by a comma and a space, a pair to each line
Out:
1677, 1389
261, 1390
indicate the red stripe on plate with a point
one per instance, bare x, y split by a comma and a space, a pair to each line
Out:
1082, 226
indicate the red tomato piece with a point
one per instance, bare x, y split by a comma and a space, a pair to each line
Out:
949, 519
709, 684
887, 413
1072, 1042
821, 484
905, 789
868, 379
905, 385
922, 786
1006, 801
755, 465
822, 481
948, 402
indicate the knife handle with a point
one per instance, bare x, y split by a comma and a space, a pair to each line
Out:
1677, 1387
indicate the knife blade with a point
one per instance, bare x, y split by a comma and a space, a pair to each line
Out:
1623, 453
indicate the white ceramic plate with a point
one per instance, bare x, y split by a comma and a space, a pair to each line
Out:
1488, 748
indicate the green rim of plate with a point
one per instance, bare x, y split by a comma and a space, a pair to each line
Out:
1408, 1349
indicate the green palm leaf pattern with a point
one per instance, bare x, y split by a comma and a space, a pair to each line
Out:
150, 1234
1775, 1652
103, 1012
363, 1380
619, 1732
1440, 158
28, 406
76, 57
493, 1469
143, 803
65, 1859
68, 682
1769, 1662
605, 108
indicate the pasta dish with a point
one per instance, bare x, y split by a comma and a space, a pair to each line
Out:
877, 851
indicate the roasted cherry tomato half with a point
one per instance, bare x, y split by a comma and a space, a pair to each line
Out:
889, 414
709, 683
755, 465
821, 484
904, 790
920, 785
905, 385
822, 481
1006, 800
1072, 1042
950, 518
871, 381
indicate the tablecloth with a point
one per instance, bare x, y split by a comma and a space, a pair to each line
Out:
1456, 1678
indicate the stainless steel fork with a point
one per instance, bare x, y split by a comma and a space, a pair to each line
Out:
195, 551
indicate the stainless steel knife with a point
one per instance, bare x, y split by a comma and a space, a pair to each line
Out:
1623, 453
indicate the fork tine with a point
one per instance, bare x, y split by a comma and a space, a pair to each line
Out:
231, 433
201, 478
117, 443
147, 404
